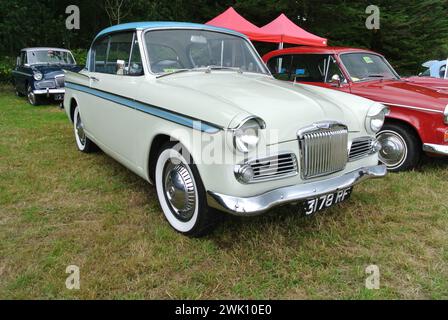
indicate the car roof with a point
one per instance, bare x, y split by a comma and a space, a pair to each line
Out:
45, 49
317, 50
163, 25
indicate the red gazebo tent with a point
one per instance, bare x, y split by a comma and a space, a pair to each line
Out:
282, 30
231, 19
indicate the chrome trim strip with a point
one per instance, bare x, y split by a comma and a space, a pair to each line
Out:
147, 108
259, 204
410, 107
22, 73
436, 149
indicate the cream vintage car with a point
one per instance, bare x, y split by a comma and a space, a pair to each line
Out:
194, 110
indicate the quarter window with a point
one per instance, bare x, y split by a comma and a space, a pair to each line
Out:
118, 54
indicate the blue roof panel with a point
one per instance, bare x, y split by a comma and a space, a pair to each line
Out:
163, 24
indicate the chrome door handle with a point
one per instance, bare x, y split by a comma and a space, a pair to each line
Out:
94, 79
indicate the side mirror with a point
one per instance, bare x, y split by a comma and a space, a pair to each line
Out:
18, 61
336, 81
120, 67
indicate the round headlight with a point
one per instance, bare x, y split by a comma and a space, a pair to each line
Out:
247, 136
38, 76
376, 118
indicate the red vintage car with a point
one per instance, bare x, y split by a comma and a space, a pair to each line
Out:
418, 119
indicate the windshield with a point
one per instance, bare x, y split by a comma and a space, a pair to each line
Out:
366, 66
305, 68
50, 57
175, 50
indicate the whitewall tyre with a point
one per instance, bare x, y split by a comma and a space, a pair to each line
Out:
83, 143
401, 148
181, 194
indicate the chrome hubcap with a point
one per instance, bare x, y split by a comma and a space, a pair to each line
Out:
31, 96
394, 149
180, 191
80, 130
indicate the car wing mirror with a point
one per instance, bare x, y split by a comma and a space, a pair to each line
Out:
336, 81
18, 62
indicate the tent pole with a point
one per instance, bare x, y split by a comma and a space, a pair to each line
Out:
280, 61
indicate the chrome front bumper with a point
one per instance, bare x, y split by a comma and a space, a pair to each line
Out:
436, 149
49, 91
259, 204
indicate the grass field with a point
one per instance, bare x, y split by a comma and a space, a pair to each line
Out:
59, 207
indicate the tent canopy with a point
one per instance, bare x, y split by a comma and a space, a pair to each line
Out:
230, 19
283, 30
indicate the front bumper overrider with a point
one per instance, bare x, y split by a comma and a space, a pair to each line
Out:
259, 204
436, 149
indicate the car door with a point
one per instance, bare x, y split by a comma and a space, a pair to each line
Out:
115, 77
21, 73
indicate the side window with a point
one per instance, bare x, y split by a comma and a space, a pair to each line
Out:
23, 58
117, 54
280, 67
442, 71
136, 64
99, 55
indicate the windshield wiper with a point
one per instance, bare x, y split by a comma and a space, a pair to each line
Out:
176, 72
239, 70
207, 69
376, 76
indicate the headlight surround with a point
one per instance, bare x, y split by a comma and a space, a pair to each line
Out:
38, 76
445, 115
376, 117
247, 136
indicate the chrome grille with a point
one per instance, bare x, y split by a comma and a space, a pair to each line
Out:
60, 81
45, 84
324, 149
361, 147
274, 167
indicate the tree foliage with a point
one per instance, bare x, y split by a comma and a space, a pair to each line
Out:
412, 31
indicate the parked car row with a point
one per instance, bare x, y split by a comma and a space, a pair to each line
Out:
194, 110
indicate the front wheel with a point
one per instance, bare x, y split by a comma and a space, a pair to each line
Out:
33, 99
401, 148
181, 193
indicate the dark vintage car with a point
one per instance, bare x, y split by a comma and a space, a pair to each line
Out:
39, 73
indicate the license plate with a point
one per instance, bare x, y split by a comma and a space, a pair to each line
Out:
58, 97
312, 206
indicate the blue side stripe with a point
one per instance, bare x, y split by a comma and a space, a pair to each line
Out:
146, 108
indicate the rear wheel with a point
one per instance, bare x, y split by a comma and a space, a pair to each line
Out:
82, 141
181, 193
401, 148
